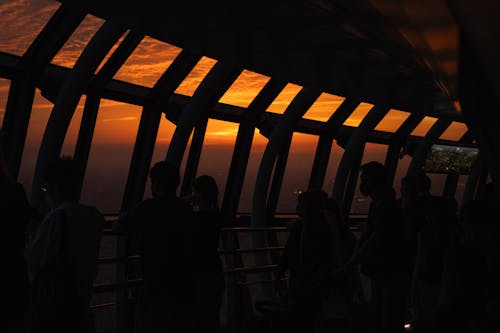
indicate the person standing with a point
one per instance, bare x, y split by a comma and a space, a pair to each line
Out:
62, 256
163, 224
208, 276
380, 251
309, 258
430, 223
16, 214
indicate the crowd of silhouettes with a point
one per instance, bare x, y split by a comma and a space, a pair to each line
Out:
179, 240
470, 300
418, 259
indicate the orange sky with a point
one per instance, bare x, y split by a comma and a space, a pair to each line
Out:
118, 122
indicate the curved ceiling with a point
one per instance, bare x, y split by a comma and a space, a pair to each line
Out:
374, 51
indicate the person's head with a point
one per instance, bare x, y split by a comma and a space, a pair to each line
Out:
478, 223
373, 177
489, 193
62, 181
165, 178
311, 202
415, 184
205, 192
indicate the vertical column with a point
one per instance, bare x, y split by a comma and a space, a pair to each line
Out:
450, 185
67, 100
90, 111
211, 89
232, 193
16, 120
86, 131
18, 110
353, 149
304, 99
194, 156
474, 180
352, 180
324, 147
243, 146
149, 124
397, 143
278, 139
277, 181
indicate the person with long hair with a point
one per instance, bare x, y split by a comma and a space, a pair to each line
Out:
208, 276
308, 257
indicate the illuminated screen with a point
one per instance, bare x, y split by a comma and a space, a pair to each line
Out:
450, 159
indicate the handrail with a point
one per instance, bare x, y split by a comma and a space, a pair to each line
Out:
111, 232
251, 269
108, 287
110, 260
252, 229
257, 249
103, 305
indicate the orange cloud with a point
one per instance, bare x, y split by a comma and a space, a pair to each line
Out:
118, 122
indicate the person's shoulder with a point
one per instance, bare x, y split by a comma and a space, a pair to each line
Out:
12, 189
440, 204
296, 225
84, 211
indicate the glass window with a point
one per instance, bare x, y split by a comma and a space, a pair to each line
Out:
148, 62
297, 171
333, 164
38, 121
324, 107
194, 78
358, 115
244, 89
110, 155
217, 152
258, 146
4, 96
22, 21
69, 145
280, 104
454, 132
392, 121
424, 126
74, 46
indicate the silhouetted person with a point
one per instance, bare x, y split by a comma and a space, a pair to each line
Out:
308, 256
430, 222
346, 290
470, 300
16, 214
62, 257
164, 225
379, 250
207, 266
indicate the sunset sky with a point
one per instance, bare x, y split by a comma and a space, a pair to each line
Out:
117, 122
